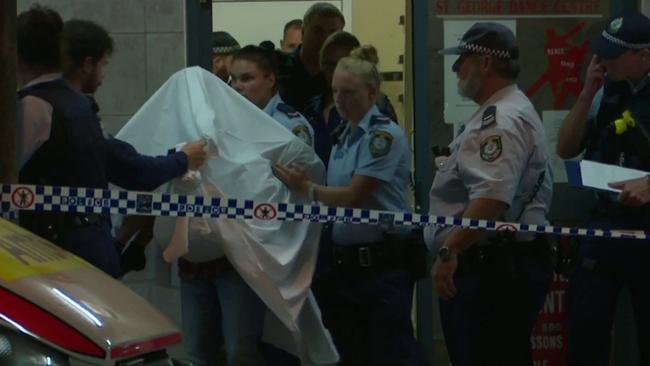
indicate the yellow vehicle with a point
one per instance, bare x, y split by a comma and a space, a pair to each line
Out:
56, 309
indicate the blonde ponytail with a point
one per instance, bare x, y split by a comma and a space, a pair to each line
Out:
363, 63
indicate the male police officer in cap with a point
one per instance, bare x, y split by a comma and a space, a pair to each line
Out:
617, 82
491, 286
223, 48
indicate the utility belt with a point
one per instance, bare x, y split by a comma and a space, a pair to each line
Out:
203, 270
394, 252
53, 225
503, 254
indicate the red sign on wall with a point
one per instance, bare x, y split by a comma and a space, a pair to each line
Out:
550, 334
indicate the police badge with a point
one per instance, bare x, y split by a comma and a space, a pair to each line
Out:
615, 25
380, 143
303, 133
491, 148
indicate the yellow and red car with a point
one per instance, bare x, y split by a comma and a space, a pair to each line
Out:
56, 309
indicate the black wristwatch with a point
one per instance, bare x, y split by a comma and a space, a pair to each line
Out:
444, 253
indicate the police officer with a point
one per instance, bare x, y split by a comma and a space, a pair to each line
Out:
491, 287
617, 82
300, 75
366, 301
62, 142
223, 47
320, 110
291, 36
254, 73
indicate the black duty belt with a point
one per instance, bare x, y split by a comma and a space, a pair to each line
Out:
376, 254
52, 225
501, 253
395, 252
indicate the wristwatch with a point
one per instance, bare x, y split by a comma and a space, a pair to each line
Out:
444, 253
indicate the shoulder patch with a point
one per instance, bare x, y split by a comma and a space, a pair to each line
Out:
303, 133
489, 116
380, 143
379, 119
288, 110
491, 148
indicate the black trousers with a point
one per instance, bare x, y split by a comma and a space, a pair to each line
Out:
369, 317
501, 290
604, 268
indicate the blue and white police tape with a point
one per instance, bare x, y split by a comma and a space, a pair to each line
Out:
90, 200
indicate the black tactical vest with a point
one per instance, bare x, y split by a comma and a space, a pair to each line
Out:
75, 154
630, 149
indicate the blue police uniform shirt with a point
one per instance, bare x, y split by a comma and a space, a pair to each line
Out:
326, 132
290, 118
377, 149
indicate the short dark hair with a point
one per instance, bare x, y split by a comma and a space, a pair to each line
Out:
37, 36
343, 39
295, 23
267, 45
325, 10
265, 59
81, 39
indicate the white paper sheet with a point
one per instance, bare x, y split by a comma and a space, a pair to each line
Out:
598, 175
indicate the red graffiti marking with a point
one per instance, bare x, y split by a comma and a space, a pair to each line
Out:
564, 63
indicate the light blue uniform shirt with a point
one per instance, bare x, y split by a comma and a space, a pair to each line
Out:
290, 118
501, 155
377, 149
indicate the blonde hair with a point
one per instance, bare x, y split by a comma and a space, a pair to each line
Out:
363, 63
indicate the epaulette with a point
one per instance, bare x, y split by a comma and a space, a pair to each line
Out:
489, 116
288, 110
379, 119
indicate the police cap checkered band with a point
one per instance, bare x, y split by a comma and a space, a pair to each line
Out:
487, 38
623, 32
225, 49
224, 43
476, 48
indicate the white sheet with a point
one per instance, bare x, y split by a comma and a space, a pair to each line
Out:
275, 258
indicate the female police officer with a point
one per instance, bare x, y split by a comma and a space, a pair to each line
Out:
367, 305
253, 74
319, 110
